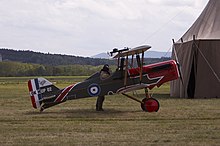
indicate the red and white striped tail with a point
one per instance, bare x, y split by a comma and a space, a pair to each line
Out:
36, 88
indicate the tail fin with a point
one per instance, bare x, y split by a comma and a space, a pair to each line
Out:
41, 89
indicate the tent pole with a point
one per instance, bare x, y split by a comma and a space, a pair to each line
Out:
177, 60
174, 49
194, 37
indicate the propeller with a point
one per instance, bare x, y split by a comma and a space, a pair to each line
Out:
178, 64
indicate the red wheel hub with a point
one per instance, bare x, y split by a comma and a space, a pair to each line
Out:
150, 105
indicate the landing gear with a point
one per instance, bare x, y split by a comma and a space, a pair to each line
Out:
150, 105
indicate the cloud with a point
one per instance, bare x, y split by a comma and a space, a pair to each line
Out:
82, 27
183, 3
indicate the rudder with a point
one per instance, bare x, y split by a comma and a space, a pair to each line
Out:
39, 89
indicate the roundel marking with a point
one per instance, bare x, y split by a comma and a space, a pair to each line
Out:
94, 90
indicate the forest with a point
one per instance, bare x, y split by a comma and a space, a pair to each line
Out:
12, 69
29, 63
49, 59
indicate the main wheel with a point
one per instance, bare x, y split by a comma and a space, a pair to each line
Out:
150, 105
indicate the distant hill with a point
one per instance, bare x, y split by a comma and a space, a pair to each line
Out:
148, 54
101, 55
50, 59
156, 54
59, 59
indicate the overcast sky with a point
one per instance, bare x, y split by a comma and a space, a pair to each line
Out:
89, 27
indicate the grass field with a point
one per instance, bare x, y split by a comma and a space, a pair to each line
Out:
178, 122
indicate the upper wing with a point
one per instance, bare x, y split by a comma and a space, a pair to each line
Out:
133, 51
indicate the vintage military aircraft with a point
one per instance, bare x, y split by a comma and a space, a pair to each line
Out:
130, 75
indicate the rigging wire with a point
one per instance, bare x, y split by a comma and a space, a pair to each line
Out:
167, 52
213, 71
161, 27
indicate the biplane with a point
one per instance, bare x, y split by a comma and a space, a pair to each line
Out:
131, 74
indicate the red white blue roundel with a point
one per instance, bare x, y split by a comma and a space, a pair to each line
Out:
94, 90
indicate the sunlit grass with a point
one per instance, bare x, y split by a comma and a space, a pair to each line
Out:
178, 122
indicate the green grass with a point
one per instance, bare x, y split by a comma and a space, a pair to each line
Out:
178, 122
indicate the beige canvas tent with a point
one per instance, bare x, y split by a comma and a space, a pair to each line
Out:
198, 53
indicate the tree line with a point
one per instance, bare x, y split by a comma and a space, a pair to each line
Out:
29, 63
50, 59
11, 69
58, 59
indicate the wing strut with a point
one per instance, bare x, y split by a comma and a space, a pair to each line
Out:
141, 67
131, 97
126, 71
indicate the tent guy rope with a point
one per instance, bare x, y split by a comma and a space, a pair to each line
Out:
213, 71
